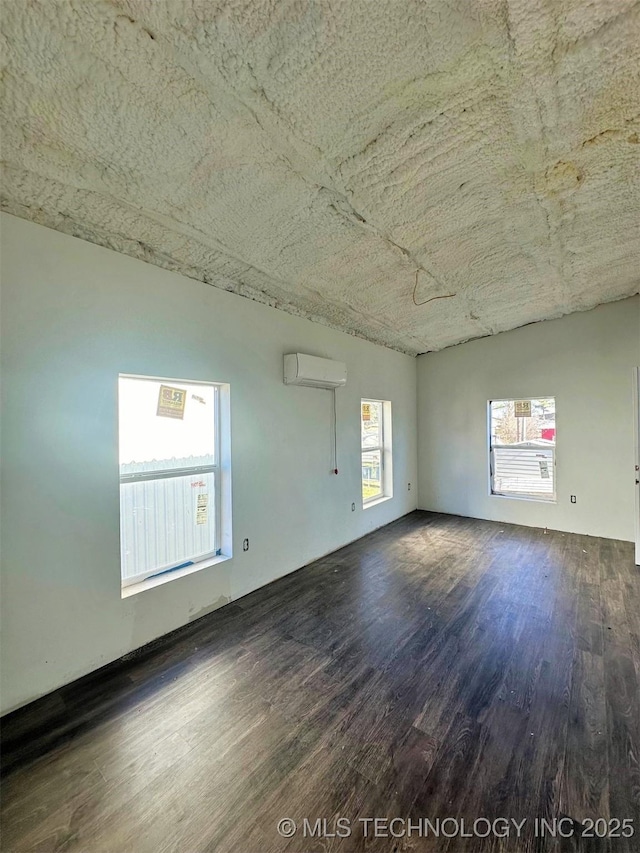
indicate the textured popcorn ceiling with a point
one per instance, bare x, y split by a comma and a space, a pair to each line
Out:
314, 155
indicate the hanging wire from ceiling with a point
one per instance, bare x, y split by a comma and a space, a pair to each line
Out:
424, 302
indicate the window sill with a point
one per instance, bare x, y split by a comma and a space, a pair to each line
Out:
377, 501
523, 498
150, 583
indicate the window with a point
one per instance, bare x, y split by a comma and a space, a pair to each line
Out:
377, 482
522, 444
171, 500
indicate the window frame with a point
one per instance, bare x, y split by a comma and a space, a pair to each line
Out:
385, 450
520, 496
198, 561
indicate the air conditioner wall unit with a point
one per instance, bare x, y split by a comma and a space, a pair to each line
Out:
300, 369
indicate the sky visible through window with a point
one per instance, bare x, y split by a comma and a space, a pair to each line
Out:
145, 435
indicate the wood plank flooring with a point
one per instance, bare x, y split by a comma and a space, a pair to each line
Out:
441, 668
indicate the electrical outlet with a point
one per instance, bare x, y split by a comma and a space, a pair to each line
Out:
573, 499
245, 544
353, 507
408, 487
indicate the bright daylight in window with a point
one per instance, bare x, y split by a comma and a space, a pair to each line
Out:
169, 447
375, 416
522, 437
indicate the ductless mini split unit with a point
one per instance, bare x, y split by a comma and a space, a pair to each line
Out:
300, 369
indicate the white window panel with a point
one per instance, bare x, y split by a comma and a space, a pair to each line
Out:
376, 453
169, 449
522, 448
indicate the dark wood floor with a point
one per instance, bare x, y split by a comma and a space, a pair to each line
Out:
439, 668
